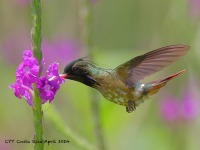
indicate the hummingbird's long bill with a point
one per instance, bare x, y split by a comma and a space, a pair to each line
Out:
63, 76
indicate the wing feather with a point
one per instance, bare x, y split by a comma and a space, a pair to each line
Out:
149, 63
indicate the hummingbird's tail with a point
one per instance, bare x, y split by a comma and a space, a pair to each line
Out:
154, 87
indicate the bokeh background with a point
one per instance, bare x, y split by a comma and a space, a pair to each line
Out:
120, 30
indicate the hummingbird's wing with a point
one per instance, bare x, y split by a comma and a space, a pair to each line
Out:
144, 65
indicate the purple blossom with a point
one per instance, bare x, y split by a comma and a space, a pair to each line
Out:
27, 73
52, 73
188, 106
169, 110
173, 110
49, 87
22, 91
52, 70
28, 70
27, 54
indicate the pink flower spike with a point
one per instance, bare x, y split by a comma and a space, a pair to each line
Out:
27, 74
169, 110
188, 107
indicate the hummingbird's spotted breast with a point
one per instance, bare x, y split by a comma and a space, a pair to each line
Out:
113, 89
117, 96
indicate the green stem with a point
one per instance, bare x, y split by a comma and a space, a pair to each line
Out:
36, 36
37, 119
94, 103
86, 14
36, 48
86, 24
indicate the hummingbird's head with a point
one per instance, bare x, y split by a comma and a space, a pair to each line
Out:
78, 70
75, 69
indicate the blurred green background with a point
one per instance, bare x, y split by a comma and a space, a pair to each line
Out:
121, 30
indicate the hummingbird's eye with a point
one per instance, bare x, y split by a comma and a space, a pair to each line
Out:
75, 68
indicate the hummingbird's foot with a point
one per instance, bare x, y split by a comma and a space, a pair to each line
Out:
131, 106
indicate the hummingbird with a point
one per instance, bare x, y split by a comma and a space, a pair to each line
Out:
122, 84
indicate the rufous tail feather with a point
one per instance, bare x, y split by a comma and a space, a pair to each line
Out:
154, 87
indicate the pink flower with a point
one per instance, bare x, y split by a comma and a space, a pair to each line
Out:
27, 73
188, 106
168, 108
173, 110
48, 87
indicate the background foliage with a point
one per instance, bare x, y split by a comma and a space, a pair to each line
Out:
121, 30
